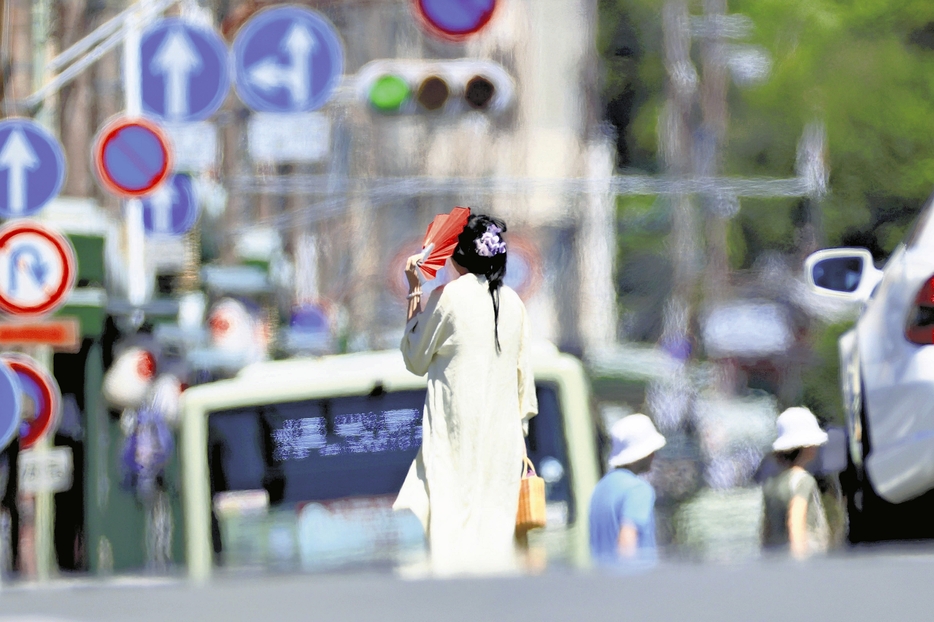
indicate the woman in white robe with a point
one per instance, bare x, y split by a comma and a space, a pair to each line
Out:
472, 339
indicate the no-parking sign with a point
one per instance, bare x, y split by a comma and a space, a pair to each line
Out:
42, 397
37, 268
132, 156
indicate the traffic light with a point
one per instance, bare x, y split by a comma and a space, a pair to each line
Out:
443, 87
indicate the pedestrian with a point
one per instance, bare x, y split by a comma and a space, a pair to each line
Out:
472, 341
622, 507
793, 516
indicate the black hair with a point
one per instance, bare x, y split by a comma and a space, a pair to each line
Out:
789, 456
493, 267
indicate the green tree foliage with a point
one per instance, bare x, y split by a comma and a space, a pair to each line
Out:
821, 391
866, 68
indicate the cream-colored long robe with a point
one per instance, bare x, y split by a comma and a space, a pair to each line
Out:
464, 483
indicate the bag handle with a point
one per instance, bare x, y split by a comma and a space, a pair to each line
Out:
528, 466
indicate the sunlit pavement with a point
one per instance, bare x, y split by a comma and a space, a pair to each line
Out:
880, 583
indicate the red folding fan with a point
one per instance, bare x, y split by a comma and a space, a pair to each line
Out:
441, 240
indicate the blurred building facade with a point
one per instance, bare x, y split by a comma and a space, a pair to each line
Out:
331, 231
527, 164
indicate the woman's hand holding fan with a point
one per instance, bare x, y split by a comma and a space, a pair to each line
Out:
412, 273
440, 241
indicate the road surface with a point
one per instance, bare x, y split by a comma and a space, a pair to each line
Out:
892, 583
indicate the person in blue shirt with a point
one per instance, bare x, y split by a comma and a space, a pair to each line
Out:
622, 508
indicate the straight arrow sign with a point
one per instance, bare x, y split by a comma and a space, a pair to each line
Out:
300, 44
176, 60
162, 201
18, 157
184, 75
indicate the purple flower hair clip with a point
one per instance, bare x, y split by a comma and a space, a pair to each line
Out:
490, 243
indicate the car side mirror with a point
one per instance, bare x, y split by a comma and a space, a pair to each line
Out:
846, 273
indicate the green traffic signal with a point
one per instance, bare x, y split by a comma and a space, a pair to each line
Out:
389, 92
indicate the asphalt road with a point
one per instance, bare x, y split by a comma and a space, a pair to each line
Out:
874, 584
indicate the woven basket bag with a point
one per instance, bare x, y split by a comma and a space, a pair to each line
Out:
531, 514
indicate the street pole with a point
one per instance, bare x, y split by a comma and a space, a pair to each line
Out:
44, 542
135, 233
597, 322
671, 401
43, 501
811, 166
718, 207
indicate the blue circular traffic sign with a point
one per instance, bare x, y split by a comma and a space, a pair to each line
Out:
287, 59
184, 71
455, 19
310, 318
32, 167
172, 209
40, 416
10, 404
131, 156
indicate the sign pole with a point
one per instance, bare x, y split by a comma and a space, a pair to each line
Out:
44, 500
135, 236
41, 469
135, 226
42, 274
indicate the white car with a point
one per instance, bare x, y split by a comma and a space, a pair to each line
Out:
887, 376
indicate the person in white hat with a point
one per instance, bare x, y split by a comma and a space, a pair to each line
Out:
793, 516
622, 508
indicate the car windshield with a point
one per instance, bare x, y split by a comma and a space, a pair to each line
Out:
352, 446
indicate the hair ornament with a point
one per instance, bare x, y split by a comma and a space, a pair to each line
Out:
490, 244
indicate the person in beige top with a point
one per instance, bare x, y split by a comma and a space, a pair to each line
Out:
793, 515
472, 341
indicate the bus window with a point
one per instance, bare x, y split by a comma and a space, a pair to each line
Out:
548, 452
354, 446
316, 450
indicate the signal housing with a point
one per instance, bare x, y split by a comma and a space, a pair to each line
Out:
444, 87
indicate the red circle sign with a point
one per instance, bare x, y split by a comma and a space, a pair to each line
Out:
37, 268
132, 156
42, 390
454, 19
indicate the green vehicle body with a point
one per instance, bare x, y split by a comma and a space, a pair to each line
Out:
329, 377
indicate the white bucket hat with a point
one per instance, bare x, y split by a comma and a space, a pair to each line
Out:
798, 427
634, 438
